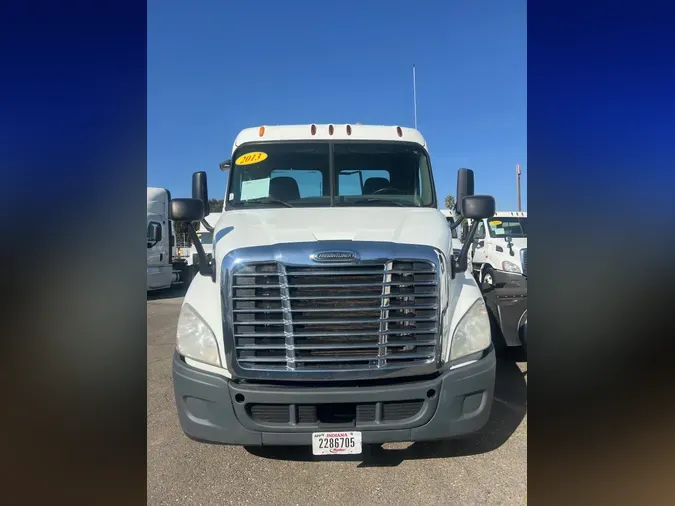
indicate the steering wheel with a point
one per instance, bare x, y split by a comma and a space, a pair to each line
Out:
390, 190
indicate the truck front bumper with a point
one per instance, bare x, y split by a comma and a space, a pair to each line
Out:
508, 302
214, 409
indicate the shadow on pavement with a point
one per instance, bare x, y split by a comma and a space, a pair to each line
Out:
508, 411
170, 293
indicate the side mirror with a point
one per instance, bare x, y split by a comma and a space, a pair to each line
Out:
226, 165
464, 188
186, 210
476, 208
200, 190
154, 234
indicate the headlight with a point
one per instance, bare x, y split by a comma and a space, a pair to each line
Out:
195, 339
510, 266
472, 333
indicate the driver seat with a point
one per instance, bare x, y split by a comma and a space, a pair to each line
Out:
374, 184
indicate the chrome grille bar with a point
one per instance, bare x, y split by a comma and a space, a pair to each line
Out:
433, 330
382, 308
335, 346
384, 315
285, 321
348, 285
354, 358
327, 273
288, 318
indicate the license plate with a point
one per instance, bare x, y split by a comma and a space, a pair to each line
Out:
336, 443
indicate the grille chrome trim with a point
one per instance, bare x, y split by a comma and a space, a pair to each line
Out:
337, 329
433, 330
523, 260
384, 315
353, 285
383, 308
288, 318
346, 358
328, 273
345, 346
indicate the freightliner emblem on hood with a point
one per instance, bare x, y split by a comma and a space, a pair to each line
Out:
334, 256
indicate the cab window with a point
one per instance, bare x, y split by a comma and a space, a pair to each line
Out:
480, 231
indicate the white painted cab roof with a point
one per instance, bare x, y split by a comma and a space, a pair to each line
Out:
322, 132
506, 214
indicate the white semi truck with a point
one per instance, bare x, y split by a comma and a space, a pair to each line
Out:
499, 257
332, 313
165, 268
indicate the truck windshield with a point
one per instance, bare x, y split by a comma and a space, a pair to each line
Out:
205, 237
508, 226
306, 174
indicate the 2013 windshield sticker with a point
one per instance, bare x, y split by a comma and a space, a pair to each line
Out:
251, 158
495, 222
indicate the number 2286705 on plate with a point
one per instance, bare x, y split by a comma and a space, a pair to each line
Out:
336, 443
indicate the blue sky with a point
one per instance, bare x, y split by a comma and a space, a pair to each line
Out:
216, 67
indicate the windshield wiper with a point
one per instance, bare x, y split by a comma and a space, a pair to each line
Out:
379, 201
262, 200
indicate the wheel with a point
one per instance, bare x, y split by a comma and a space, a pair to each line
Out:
487, 278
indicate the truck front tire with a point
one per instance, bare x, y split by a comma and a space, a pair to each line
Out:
487, 278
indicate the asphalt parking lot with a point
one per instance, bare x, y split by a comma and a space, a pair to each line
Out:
488, 468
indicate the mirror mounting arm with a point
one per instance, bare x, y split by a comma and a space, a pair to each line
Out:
208, 227
205, 266
464, 254
457, 223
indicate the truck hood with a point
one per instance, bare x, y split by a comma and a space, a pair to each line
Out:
259, 227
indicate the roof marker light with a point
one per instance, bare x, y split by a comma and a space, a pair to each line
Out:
261, 131
313, 129
399, 131
349, 129
330, 129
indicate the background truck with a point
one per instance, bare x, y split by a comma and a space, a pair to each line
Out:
499, 257
333, 313
165, 268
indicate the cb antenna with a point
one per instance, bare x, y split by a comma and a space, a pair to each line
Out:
414, 96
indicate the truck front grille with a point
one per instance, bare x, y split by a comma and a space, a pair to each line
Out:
330, 318
523, 260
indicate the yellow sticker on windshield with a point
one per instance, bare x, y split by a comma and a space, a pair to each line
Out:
251, 158
495, 222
